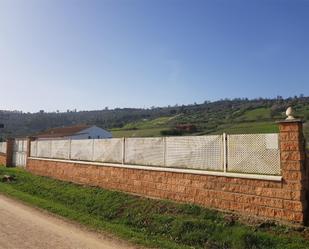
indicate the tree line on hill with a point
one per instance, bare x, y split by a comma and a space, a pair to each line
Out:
18, 123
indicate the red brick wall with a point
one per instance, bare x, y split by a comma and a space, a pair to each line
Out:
2, 159
285, 200
6, 158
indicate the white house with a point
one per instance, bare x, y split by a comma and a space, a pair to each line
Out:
74, 132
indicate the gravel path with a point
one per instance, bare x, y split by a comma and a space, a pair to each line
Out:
23, 227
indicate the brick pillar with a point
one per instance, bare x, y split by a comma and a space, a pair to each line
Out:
9, 152
293, 167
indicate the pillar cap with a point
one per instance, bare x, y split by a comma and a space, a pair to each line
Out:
289, 113
290, 118
296, 120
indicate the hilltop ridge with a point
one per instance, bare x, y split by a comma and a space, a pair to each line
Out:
232, 116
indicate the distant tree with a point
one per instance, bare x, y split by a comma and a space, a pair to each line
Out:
171, 132
173, 112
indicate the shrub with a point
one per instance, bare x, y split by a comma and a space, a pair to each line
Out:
171, 132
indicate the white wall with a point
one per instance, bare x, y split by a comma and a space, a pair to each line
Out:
3, 147
241, 153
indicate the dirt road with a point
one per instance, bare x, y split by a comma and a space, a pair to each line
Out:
23, 227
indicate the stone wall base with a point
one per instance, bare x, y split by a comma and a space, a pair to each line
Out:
263, 198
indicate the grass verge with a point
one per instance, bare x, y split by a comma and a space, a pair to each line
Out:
152, 223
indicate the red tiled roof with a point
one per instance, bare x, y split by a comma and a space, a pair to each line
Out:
62, 131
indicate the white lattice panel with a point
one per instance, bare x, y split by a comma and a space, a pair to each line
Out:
19, 159
201, 152
108, 150
44, 148
60, 149
82, 149
20, 152
33, 148
144, 151
20, 145
25, 145
253, 153
3, 147
17, 146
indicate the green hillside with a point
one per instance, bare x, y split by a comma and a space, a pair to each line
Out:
261, 119
244, 127
143, 128
230, 116
257, 114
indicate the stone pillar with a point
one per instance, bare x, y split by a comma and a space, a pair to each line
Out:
294, 171
9, 152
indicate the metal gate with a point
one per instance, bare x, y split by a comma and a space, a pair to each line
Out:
20, 152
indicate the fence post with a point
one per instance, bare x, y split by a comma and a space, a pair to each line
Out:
123, 150
37, 148
224, 152
50, 148
164, 155
293, 168
92, 156
69, 150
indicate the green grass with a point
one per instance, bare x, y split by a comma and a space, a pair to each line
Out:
244, 128
154, 132
153, 223
249, 127
143, 128
257, 114
302, 111
148, 124
232, 128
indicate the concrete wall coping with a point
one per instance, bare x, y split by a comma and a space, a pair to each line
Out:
296, 120
165, 169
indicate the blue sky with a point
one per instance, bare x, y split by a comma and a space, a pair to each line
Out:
87, 54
